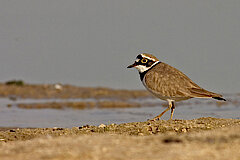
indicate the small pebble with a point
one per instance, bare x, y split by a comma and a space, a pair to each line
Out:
140, 134
102, 126
184, 130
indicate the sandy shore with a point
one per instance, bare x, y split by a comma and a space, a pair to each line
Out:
203, 138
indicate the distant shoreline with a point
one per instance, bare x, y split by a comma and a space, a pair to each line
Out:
65, 91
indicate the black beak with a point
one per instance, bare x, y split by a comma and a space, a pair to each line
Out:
132, 65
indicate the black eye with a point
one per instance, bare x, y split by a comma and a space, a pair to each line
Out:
144, 60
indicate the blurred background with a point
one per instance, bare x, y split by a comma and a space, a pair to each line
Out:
90, 43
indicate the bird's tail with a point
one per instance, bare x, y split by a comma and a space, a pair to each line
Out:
219, 98
202, 93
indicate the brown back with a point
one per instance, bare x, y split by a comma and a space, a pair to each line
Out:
168, 81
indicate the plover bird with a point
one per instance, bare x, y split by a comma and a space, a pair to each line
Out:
167, 82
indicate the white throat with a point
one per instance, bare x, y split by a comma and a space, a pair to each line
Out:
142, 68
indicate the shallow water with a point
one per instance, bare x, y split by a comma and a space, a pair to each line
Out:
194, 108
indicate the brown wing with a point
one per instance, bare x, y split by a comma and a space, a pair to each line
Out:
168, 81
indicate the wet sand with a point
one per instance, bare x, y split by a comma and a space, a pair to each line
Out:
79, 105
203, 138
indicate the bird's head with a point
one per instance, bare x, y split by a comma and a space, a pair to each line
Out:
144, 62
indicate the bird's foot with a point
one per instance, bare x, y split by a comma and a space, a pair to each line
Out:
154, 119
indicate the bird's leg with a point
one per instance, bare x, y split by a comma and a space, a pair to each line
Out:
160, 115
172, 109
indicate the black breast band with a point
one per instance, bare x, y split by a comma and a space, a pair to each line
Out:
143, 73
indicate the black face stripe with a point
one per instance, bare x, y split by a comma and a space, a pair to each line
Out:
147, 64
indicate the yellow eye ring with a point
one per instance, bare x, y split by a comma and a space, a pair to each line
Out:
144, 60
